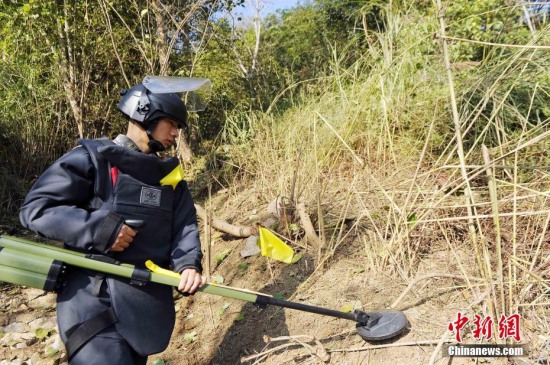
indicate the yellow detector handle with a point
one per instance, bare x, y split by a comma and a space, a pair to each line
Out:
159, 270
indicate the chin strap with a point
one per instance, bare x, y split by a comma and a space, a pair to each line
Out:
154, 145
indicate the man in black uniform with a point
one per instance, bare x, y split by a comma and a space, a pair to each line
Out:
87, 199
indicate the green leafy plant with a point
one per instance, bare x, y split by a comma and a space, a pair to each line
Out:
243, 266
223, 308
222, 256
41, 333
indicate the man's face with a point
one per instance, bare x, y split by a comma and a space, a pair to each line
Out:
166, 132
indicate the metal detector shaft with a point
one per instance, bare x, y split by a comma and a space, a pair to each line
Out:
265, 300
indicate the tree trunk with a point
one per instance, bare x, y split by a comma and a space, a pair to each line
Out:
67, 70
161, 38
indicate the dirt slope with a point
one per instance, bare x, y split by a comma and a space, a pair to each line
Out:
216, 330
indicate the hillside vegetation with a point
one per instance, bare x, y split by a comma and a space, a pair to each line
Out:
414, 136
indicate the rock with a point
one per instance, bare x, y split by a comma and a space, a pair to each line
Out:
15, 302
35, 359
251, 247
33, 293
14, 327
27, 336
48, 323
26, 316
43, 302
7, 340
14, 339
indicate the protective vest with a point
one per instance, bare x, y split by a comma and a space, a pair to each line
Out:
127, 182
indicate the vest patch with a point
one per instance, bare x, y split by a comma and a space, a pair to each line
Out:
150, 196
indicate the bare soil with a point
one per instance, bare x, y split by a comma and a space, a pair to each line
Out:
244, 334
217, 330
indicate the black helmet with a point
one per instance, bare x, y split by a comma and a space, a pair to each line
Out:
145, 107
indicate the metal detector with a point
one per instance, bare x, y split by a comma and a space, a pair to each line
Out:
36, 265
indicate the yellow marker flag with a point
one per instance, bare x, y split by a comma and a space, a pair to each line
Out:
273, 247
173, 178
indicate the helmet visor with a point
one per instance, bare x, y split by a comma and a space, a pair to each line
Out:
195, 91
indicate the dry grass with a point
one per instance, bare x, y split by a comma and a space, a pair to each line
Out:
374, 161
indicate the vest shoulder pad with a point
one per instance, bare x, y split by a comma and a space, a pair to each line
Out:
102, 182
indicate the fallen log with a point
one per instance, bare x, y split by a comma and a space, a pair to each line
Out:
225, 227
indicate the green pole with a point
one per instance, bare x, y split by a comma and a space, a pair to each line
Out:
124, 270
67, 256
223, 291
22, 277
16, 259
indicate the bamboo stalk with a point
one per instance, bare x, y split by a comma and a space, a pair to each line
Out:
457, 127
484, 216
525, 167
208, 235
496, 221
320, 219
540, 243
523, 46
480, 246
513, 271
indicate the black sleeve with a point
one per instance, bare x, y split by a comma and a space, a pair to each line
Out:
59, 205
186, 245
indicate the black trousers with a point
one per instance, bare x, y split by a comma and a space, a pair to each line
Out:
107, 347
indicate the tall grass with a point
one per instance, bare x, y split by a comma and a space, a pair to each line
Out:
374, 158
28, 133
